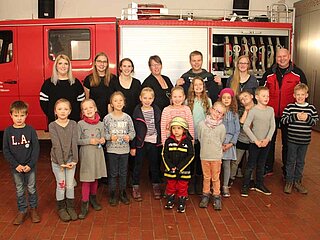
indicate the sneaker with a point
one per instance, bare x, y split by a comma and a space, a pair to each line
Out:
156, 191
136, 195
230, 183
263, 189
182, 205
225, 191
252, 185
170, 202
217, 203
35, 218
300, 188
245, 191
204, 201
21, 216
288, 187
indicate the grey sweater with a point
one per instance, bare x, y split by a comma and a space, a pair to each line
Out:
64, 142
211, 140
260, 124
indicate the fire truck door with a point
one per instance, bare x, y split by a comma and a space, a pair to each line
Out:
9, 88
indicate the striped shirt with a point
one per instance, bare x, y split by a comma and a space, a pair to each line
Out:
151, 135
299, 132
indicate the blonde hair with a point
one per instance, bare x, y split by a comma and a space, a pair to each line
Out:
261, 88
219, 103
55, 75
235, 82
117, 93
88, 100
176, 88
301, 86
192, 95
147, 90
95, 78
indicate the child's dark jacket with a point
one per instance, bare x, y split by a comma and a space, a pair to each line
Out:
179, 155
140, 126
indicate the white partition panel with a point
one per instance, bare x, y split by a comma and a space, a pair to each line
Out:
172, 44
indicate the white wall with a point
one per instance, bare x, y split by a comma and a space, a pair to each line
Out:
26, 9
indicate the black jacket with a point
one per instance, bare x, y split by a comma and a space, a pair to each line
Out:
140, 126
179, 155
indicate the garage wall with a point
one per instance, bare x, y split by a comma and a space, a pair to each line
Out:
26, 9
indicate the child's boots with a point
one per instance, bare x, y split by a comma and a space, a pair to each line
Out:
94, 203
62, 211
156, 191
70, 209
217, 203
84, 210
170, 201
205, 199
182, 204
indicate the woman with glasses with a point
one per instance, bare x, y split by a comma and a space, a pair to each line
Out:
160, 84
242, 79
97, 85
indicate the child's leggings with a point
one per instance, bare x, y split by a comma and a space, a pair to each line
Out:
89, 188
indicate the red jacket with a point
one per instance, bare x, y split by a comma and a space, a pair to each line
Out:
282, 95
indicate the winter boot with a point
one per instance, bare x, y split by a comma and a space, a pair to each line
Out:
124, 198
70, 209
205, 199
300, 188
35, 218
94, 203
136, 193
288, 187
156, 191
63, 214
217, 205
199, 184
182, 204
84, 210
113, 201
191, 187
20, 218
170, 201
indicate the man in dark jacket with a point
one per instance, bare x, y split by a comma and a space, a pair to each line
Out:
281, 79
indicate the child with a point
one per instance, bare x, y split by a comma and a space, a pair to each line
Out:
211, 135
64, 157
299, 118
231, 122
146, 119
259, 126
93, 167
242, 147
119, 131
177, 154
175, 109
21, 149
199, 103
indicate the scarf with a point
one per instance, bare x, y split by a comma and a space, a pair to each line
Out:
92, 121
211, 123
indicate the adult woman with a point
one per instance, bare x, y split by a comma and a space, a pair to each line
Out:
241, 79
128, 85
62, 84
160, 84
97, 85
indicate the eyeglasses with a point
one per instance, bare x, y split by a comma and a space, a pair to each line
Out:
100, 61
155, 65
242, 63
218, 112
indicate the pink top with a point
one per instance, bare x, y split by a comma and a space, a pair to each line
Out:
169, 113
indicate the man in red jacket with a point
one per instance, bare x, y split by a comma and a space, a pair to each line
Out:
281, 79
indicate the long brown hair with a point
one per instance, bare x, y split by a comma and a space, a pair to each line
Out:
235, 82
95, 78
233, 105
192, 95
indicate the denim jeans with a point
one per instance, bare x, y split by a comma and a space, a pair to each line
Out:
295, 161
257, 159
150, 151
117, 167
22, 181
64, 179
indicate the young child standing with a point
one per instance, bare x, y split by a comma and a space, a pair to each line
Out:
64, 157
299, 118
231, 122
211, 136
21, 149
93, 167
259, 126
175, 109
242, 147
119, 131
146, 120
177, 156
199, 103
